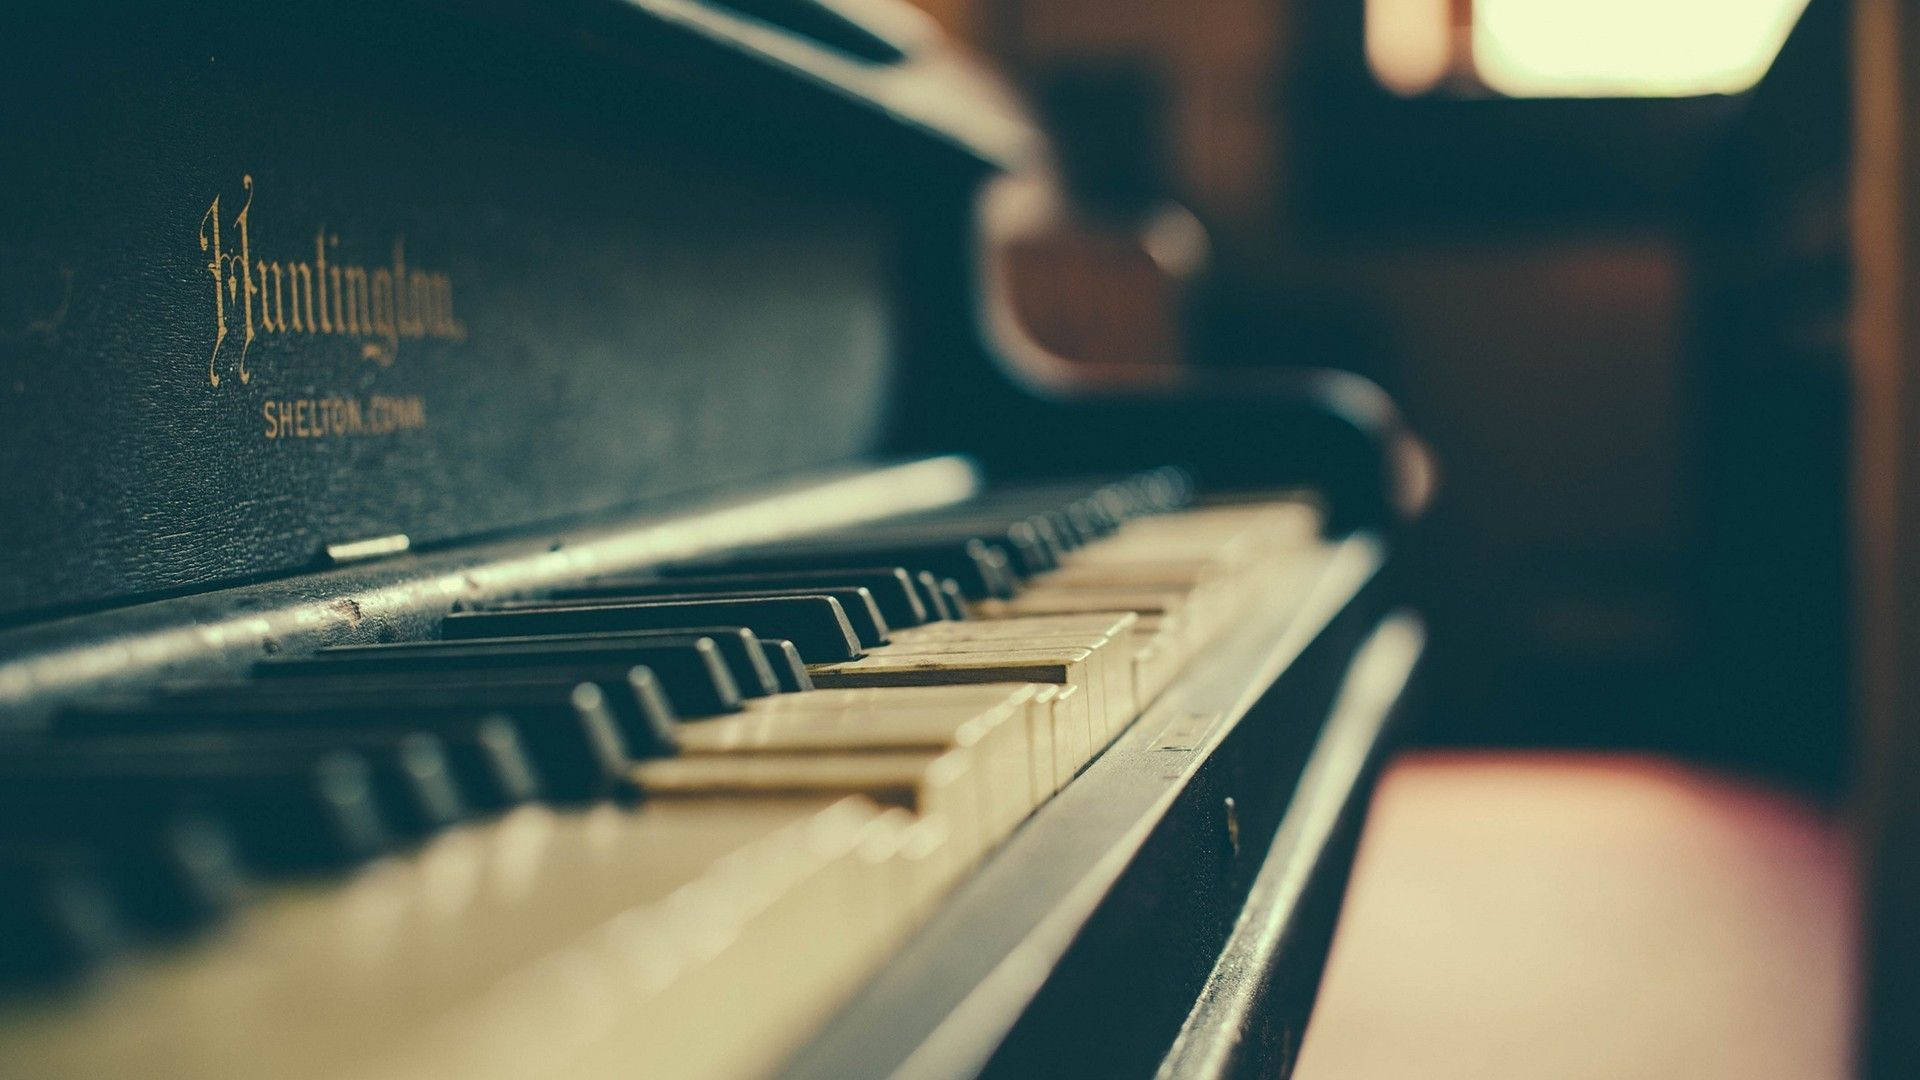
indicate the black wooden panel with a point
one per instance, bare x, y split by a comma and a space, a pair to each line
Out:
625, 277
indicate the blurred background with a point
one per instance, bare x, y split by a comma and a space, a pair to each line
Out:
1597, 250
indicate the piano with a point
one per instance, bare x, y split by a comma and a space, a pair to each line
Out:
534, 547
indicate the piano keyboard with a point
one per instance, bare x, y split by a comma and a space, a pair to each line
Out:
660, 825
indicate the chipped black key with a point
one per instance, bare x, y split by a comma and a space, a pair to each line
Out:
816, 625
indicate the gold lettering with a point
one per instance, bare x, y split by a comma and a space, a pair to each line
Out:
320, 272
379, 305
246, 281
210, 234
445, 325
335, 416
406, 311
420, 294
300, 284
359, 307
276, 319
384, 321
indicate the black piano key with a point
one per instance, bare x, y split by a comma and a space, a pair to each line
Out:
1033, 538
816, 625
568, 731
656, 710
863, 615
788, 668
490, 763
1017, 537
177, 873
486, 761
415, 786
1072, 529
889, 586
1094, 519
412, 782
1166, 488
165, 873
286, 812
955, 597
691, 667
645, 720
740, 653
982, 569
168, 873
739, 649
936, 596
57, 919
157, 885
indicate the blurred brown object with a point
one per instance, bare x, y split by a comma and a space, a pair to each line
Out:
1094, 296
1526, 915
1887, 520
1103, 292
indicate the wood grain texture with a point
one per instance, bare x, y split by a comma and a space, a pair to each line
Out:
1886, 520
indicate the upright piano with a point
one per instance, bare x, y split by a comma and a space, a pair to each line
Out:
533, 546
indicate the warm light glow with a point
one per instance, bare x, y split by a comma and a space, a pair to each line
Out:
1407, 43
1627, 48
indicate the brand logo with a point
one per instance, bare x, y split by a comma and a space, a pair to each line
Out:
376, 307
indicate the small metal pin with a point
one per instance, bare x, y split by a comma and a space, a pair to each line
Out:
1233, 827
378, 547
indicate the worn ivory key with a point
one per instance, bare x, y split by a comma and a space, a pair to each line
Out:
1064, 666
931, 783
718, 973
993, 722
1036, 715
348, 974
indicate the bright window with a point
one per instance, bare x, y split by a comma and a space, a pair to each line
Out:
1578, 48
